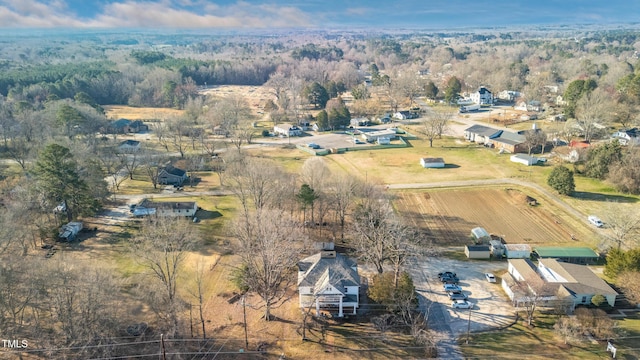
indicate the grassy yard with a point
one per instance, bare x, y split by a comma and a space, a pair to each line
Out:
629, 338
539, 342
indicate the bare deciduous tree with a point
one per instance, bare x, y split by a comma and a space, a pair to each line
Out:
161, 247
532, 293
592, 110
152, 164
624, 225
568, 328
256, 182
178, 135
131, 160
630, 285
201, 290
379, 236
341, 196
270, 244
535, 138
112, 165
435, 124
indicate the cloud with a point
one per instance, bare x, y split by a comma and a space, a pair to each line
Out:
32, 13
163, 13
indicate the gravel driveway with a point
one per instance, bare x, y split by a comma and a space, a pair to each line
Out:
491, 309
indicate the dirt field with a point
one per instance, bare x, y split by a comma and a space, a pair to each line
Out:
139, 113
256, 96
447, 216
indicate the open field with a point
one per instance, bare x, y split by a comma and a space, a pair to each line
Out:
447, 216
139, 113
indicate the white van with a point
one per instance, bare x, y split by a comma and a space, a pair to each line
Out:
595, 220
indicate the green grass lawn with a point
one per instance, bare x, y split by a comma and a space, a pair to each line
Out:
519, 342
629, 338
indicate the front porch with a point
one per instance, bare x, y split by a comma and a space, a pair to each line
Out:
336, 305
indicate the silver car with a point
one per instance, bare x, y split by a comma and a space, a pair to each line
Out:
461, 304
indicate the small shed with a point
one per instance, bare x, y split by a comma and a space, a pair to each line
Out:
574, 255
524, 159
497, 248
477, 251
480, 235
517, 251
432, 163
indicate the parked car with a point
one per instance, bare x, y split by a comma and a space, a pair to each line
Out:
452, 288
449, 280
313, 145
461, 304
457, 296
490, 277
595, 221
447, 273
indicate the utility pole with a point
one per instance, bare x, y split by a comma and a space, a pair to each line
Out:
163, 352
191, 318
468, 326
244, 316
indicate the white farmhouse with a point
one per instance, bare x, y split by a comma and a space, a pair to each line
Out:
328, 280
627, 136
482, 97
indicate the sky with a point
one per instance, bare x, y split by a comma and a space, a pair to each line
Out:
264, 14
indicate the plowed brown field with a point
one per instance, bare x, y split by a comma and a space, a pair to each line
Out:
447, 216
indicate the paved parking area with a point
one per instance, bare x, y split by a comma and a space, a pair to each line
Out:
328, 140
492, 308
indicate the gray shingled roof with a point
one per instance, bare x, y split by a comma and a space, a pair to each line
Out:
170, 169
580, 279
318, 271
176, 205
130, 143
483, 130
510, 138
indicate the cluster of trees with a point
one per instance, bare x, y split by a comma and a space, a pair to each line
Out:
268, 226
606, 161
617, 164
